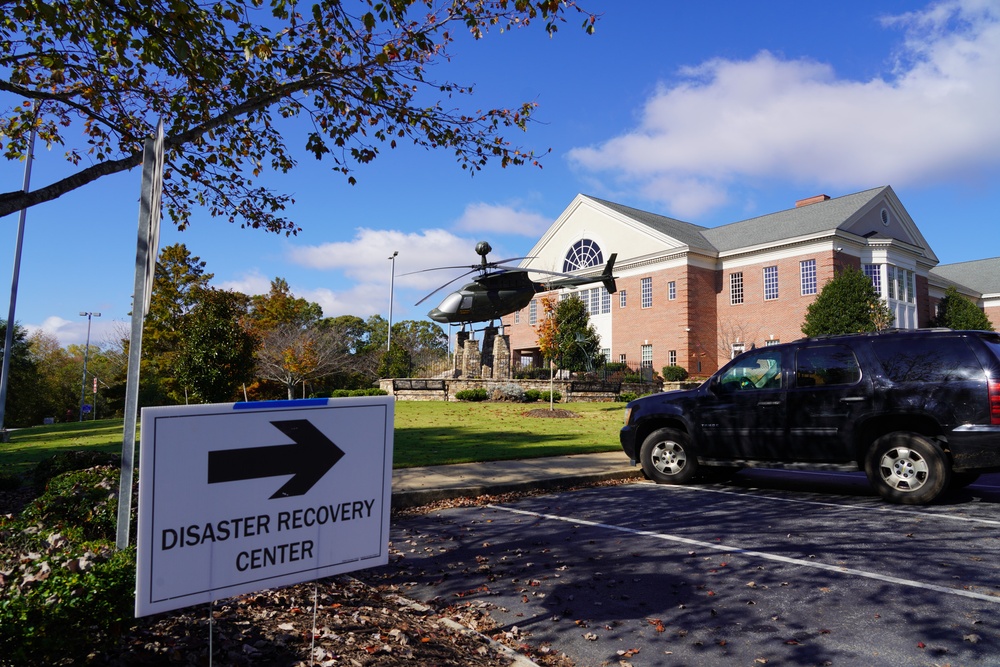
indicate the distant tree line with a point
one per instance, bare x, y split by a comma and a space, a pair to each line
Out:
206, 345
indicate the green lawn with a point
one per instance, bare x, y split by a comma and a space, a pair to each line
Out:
426, 433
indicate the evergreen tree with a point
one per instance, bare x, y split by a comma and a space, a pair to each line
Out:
847, 304
23, 406
178, 285
218, 352
577, 343
957, 312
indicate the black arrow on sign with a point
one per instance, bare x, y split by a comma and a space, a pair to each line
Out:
311, 457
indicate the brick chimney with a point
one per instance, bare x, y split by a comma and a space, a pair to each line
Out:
811, 200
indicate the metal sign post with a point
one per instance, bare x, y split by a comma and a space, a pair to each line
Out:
147, 247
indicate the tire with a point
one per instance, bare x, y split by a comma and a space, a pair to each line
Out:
907, 468
668, 457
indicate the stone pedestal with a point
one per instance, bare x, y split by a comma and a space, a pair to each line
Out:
501, 358
471, 360
458, 365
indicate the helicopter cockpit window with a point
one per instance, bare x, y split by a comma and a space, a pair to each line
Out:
450, 303
583, 255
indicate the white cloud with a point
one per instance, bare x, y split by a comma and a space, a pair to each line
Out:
482, 217
253, 282
103, 331
931, 119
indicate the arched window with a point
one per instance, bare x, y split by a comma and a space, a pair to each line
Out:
583, 255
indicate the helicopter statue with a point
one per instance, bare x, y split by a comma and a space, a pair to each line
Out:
499, 289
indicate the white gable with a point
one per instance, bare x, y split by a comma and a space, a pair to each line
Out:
611, 230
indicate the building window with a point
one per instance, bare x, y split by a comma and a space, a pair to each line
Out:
874, 273
672, 357
772, 341
807, 276
647, 356
672, 290
606, 353
735, 288
891, 280
770, 283
517, 317
533, 312
911, 291
737, 349
622, 298
647, 292
621, 358
595, 301
605, 301
584, 254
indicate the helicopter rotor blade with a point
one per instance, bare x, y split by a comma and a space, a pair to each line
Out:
443, 286
504, 261
472, 267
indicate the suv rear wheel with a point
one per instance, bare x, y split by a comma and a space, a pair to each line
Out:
668, 457
907, 468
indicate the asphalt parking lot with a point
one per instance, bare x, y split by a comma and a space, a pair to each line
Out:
775, 568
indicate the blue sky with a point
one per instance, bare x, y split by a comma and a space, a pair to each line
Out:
709, 112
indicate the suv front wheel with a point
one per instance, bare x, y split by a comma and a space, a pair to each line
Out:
907, 468
668, 457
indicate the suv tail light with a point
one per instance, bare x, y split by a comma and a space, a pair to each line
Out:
994, 389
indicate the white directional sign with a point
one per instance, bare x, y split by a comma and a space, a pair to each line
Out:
239, 497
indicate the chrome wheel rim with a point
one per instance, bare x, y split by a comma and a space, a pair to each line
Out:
669, 458
903, 469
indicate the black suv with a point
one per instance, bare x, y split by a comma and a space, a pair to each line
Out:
917, 410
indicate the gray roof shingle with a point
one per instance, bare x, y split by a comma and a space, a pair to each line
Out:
819, 217
982, 275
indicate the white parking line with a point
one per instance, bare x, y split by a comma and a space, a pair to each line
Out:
758, 554
839, 506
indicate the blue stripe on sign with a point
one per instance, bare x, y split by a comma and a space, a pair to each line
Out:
294, 403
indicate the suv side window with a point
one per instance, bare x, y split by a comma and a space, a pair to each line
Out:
760, 370
937, 359
826, 365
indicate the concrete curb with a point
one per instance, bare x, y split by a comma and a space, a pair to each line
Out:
408, 499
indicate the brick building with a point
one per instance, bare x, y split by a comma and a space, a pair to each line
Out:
694, 296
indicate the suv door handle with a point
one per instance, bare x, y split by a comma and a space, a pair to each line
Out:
853, 399
759, 403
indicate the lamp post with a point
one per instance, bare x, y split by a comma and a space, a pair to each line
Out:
392, 279
86, 355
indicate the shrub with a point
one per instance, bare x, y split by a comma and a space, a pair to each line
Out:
532, 373
531, 395
507, 391
67, 461
86, 595
544, 396
344, 393
674, 374
478, 394
627, 396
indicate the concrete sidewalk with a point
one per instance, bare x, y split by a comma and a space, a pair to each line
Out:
417, 486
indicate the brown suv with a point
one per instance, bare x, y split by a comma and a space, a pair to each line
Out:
917, 410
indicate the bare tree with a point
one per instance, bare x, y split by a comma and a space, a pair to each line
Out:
733, 331
290, 354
